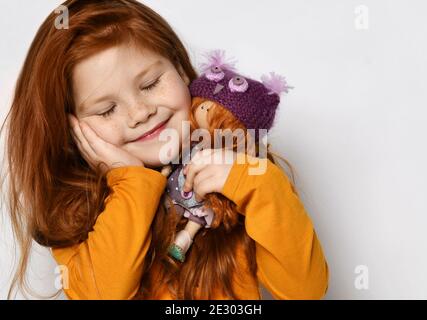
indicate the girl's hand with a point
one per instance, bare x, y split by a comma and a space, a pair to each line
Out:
96, 150
208, 171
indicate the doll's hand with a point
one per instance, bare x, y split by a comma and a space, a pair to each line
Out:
208, 171
96, 150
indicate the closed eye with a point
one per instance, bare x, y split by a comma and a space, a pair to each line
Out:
152, 85
147, 88
109, 111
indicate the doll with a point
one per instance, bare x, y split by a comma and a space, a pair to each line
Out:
185, 204
221, 99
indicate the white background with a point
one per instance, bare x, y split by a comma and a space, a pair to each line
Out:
352, 127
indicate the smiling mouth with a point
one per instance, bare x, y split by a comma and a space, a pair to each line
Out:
153, 132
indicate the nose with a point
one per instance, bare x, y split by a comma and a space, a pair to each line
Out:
140, 113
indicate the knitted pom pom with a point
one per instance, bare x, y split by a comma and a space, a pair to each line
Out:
216, 58
275, 83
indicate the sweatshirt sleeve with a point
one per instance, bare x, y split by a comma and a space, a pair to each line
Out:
108, 265
291, 263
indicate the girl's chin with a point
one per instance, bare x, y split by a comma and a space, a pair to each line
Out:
163, 158
155, 154
153, 166
153, 163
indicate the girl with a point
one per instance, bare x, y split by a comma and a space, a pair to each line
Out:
89, 185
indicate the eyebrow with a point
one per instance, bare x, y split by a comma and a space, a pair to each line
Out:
141, 74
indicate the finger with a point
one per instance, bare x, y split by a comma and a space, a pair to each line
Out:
93, 140
222, 156
204, 188
74, 137
71, 120
72, 123
201, 176
85, 151
214, 156
84, 144
191, 170
76, 140
82, 150
203, 156
200, 161
198, 158
200, 186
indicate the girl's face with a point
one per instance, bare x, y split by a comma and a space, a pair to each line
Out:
123, 93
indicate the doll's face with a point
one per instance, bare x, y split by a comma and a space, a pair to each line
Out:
201, 113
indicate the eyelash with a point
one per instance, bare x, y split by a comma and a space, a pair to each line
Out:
110, 111
148, 88
152, 86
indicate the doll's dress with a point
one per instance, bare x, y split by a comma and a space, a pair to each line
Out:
186, 203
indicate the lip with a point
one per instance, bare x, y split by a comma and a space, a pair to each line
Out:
153, 132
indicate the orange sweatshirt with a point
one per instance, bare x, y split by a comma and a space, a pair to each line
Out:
291, 263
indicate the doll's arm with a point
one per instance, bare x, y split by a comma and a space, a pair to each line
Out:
108, 264
291, 263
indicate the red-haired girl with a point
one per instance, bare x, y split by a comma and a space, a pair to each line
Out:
85, 172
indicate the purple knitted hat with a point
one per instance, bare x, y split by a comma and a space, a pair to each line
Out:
254, 103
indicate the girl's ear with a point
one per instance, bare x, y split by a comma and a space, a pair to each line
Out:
183, 75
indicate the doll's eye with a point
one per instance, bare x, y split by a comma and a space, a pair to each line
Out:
238, 84
186, 195
215, 74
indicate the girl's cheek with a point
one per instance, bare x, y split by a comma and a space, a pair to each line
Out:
177, 93
109, 133
186, 98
